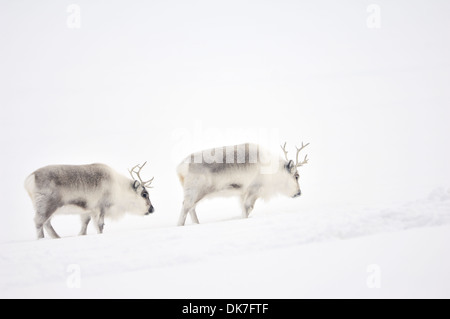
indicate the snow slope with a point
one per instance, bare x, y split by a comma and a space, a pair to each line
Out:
286, 254
157, 80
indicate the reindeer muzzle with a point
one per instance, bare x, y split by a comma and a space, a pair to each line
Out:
150, 210
297, 195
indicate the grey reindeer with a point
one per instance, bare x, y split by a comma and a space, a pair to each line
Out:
245, 170
93, 191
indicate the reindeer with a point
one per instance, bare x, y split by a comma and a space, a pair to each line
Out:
245, 170
93, 191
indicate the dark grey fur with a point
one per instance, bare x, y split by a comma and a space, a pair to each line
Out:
70, 176
237, 157
78, 202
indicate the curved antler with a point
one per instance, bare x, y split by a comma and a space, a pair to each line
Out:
297, 163
305, 160
143, 183
284, 151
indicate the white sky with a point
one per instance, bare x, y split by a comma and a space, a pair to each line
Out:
155, 80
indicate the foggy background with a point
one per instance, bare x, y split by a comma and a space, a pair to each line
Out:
155, 80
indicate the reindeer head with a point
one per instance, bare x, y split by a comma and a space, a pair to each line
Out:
292, 187
140, 188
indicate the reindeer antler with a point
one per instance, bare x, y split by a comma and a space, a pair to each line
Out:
297, 164
284, 151
305, 160
146, 183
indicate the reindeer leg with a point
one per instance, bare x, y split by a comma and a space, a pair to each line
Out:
188, 207
194, 217
189, 204
191, 198
85, 219
184, 211
39, 221
248, 202
99, 218
101, 221
49, 228
45, 208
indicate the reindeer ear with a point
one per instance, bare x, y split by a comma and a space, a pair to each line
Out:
136, 184
290, 166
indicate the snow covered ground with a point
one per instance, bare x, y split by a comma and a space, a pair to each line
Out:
365, 83
284, 254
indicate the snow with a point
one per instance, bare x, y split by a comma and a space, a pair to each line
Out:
156, 81
284, 254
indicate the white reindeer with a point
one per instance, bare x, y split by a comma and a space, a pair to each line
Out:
245, 170
92, 191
